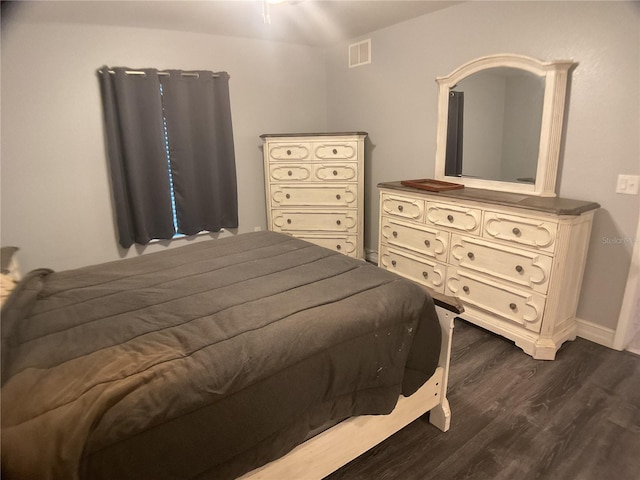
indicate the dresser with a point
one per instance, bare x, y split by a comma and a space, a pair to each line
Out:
314, 186
514, 261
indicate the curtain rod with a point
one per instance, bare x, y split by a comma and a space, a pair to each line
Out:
161, 73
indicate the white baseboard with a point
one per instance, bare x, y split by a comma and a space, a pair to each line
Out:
596, 333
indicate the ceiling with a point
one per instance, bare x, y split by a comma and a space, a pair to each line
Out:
310, 22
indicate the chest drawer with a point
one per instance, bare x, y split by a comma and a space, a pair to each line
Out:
336, 151
528, 232
402, 207
290, 172
346, 244
521, 267
421, 239
427, 273
511, 304
332, 221
289, 151
314, 196
450, 216
336, 171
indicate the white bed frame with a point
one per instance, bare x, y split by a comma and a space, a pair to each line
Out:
318, 457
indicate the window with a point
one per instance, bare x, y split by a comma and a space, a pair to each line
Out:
171, 154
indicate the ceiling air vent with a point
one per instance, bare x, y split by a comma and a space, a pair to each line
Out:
360, 53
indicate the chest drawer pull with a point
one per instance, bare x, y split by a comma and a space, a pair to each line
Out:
519, 269
516, 231
289, 173
288, 152
450, 218
335, 151
287, 196
465, 289
513, 306
338, 222
338, 197
400, 208
425, 274
471, 255
427, 243
289, 221
395, 234
338, 247
335, 172
393, 262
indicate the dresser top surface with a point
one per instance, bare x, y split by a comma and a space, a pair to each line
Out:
554, 205
319, 134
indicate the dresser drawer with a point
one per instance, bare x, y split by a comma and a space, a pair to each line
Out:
314, 195
346, 244
289, 151
336, 151
522, 267
428, 273
529, 232
402, 207
333, 221
451, 216
512, 304
335, 171
290, 172
421, 239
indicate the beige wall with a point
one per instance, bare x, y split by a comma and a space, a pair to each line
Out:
56, 203
394, 99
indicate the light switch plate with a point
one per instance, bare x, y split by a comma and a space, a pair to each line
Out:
628, 184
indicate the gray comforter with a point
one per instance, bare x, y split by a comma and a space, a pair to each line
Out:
203, 361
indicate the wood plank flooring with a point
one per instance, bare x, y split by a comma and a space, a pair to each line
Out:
515, 418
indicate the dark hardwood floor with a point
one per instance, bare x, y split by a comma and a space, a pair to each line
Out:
514, 418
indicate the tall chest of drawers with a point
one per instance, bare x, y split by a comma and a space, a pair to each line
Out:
314, 186
514, 261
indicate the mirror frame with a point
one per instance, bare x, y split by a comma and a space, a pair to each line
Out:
556, 76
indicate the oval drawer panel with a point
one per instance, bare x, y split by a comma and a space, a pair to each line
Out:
403, 207
314, 195
294, 220
529, 232
522, 267
338, 171
290, 173
294, 151
344, 244
336, 151
418, 238
427, 273
520, 306
451, 216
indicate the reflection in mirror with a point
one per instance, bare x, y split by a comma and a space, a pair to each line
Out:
502, 110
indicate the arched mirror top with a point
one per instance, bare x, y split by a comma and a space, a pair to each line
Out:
500, 123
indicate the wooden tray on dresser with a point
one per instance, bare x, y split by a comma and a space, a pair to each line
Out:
431, 185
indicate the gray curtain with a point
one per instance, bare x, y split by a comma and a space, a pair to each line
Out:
198, 113
196, 109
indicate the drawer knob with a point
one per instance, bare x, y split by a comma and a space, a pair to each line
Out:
335, 172
513, 306
516, 231
289, 221
393, 262
450, 218
427, 243
465, 289
338, 222
519, 269
338, 247
400, 208
288, 152
471, 256
395, 234
287, 196
289, 173
338, 197
335, 151
425, 274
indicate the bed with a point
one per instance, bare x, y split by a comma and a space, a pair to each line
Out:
219, 359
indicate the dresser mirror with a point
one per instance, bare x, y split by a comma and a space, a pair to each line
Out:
500, 121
